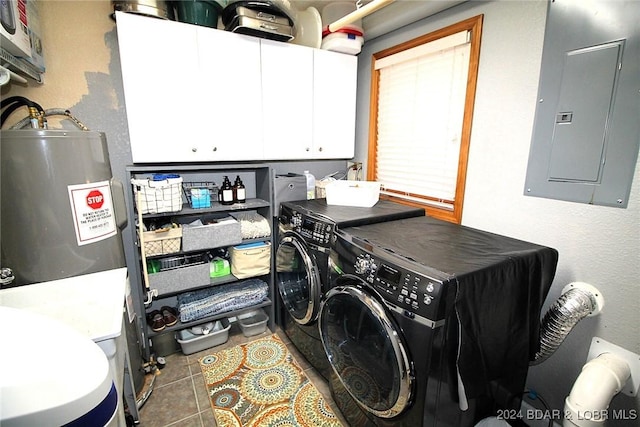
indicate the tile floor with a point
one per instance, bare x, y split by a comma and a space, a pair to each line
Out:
179, 397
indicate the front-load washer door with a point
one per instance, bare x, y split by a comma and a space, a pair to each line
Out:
297, 279
365, 348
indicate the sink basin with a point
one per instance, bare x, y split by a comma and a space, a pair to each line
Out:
51, 374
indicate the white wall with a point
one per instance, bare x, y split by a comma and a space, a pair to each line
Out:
598, 245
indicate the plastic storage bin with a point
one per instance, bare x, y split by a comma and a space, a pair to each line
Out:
353, 193
253, 322
191, 343
350, 44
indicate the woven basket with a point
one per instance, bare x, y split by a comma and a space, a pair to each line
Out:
161, 242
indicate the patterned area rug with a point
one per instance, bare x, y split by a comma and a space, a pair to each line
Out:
260, 384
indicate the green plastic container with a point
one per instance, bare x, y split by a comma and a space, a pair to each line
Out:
198, 12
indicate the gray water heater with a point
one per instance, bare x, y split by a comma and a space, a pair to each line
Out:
61, 211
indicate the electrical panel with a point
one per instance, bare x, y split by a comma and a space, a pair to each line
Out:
586, 133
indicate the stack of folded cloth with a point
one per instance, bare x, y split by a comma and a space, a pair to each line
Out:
252, 224
221, 299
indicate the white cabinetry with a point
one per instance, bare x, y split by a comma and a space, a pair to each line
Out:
196, 94
229, 95
160, 95
287, 100
309, 102
334, 107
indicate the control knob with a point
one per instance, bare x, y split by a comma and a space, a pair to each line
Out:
365, 266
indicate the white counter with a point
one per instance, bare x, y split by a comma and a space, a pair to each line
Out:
92, 303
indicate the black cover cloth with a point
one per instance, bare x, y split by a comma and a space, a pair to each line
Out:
348, 216
499, 285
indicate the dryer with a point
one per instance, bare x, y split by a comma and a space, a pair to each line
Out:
306, 230
431, 323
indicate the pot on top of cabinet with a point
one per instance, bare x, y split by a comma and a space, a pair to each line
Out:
268, 19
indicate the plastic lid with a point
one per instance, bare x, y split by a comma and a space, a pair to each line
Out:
346, 29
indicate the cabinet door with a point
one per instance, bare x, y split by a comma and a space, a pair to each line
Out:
158, 58
334, 104
230, 91
287, 100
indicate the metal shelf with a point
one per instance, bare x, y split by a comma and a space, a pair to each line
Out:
234, 313
258, 184
215, 207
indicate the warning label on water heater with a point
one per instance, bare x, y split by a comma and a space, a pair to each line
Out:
92, 209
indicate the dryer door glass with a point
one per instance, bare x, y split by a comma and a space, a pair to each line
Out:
297, 280
366, 351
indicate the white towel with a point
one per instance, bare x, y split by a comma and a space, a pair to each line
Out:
252, 224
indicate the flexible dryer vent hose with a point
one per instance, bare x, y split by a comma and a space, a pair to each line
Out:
577, 301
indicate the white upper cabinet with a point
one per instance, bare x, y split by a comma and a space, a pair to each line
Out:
309, 102
230, 95
335, 78
287, 100
164, 121
197, 94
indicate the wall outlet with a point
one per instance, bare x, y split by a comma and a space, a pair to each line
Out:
354, 171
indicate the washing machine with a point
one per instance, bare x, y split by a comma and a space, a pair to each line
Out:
428, 323
306, 230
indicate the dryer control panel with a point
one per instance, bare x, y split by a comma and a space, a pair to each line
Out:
410, 288
315, 230
414, 292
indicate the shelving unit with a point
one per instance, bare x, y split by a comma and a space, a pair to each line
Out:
256, 178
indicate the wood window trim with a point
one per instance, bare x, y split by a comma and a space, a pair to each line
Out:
474, 26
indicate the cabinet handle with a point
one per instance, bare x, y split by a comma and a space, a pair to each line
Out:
215, 148
320, 149
269, 27
194, 149
307, 149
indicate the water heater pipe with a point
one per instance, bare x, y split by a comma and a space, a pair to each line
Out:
577, 301
6, 75
600, 380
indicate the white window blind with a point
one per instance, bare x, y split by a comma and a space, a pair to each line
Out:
421, 101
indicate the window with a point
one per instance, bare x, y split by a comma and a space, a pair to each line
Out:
422, 98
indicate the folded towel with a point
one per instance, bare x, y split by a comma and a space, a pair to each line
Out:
221, 299
252, 224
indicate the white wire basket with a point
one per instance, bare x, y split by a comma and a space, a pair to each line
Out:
158, 196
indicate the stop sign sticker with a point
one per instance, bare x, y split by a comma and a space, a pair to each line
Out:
92, 211
95, 199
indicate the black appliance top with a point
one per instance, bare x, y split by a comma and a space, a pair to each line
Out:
497, 290
349, 216
450, 248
